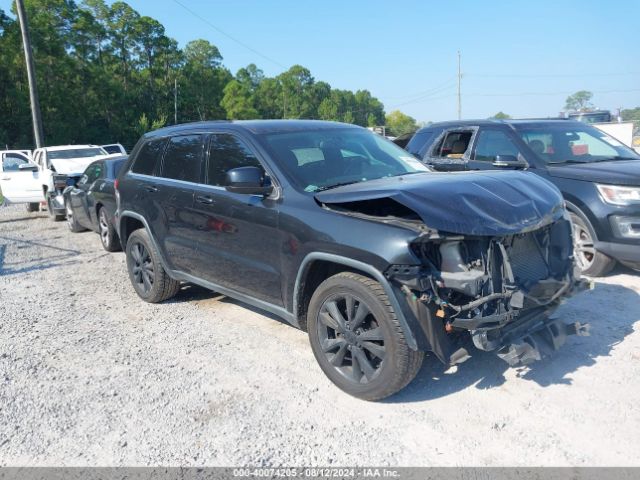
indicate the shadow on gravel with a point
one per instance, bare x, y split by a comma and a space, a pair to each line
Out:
50, 261
612, 311
23, 219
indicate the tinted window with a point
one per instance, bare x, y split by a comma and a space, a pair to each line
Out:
492, 143
418, 143
183, 158
324, 158
227, 152
116, 166
92, 173
147, 162
11, 161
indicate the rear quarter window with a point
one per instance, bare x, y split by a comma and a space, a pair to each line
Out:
148, 160
419, 143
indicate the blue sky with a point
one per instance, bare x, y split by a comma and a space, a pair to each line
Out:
523, 58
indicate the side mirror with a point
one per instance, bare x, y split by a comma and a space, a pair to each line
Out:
509, 161
247, 180
29, 167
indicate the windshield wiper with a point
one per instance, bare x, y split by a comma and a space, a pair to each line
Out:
569, 161
335, 185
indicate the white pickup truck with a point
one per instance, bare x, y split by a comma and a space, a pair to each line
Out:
20, 179
44, 175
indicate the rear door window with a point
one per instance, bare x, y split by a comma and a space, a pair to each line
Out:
183, 158
148, 160
225, 153
453, 144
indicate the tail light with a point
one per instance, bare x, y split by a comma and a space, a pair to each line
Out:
116, 183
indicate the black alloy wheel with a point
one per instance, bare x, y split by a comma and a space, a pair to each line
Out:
351, 338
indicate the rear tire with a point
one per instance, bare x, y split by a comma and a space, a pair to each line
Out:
108, 236
148, 277
357, 339
592, 262
33, 207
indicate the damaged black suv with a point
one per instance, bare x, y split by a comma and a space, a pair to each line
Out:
345, 235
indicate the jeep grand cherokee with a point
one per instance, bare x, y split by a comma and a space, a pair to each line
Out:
345, 235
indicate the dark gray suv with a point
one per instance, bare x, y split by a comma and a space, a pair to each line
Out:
342, 233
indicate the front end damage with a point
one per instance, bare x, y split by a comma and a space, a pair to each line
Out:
501, 290
494, 252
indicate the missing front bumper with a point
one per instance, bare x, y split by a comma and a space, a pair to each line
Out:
541, 343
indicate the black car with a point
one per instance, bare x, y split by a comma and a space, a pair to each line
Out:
598, 176
342, 233
91, 203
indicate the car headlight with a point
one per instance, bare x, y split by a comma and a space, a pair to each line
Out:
617, 195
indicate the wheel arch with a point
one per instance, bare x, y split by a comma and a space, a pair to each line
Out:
575, 209
318, 266
129, 223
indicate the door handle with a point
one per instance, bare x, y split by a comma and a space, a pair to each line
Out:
206, 199
151, 188
5, 178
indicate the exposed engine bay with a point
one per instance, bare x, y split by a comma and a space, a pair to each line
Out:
500, 289
495, 263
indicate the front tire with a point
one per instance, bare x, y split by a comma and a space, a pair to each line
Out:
108, 236
592, 262
357, 339
33, 207
72, 223
56, 217
148, 277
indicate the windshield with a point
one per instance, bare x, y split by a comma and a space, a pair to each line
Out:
75, 153
571, 143
600, 117
322, 159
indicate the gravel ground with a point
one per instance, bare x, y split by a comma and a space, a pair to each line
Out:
91, 375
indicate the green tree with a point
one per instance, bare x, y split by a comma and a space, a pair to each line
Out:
106, 73
399, 123
579, 101
501, 116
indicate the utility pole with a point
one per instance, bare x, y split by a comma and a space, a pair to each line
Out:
175, 101
31, 76
459, 95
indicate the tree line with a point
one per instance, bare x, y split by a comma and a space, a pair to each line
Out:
106, 73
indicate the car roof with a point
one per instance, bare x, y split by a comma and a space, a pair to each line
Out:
252, 126
510, 122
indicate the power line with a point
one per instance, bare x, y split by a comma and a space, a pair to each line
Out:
549, 75
219, 30
541, 94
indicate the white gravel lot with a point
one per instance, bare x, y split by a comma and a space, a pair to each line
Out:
91, 375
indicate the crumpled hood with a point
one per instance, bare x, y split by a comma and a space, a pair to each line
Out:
72, 166
617, 172
469, 203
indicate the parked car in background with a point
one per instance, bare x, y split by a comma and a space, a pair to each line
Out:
91, 202
403, 139
59, 167
342, 233
598, 176
19, 179
114, 148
